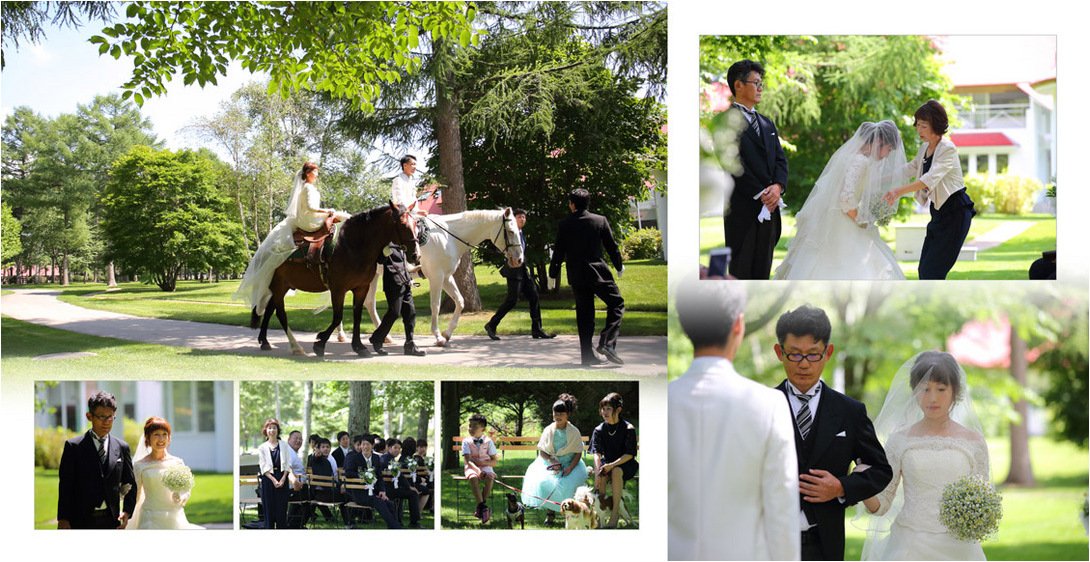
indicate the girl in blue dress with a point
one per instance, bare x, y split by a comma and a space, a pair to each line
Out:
558, 469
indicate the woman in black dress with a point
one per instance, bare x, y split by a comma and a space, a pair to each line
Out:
613, 444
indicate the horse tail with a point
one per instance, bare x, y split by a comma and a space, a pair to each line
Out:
255, 320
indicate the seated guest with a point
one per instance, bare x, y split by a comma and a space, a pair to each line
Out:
403, 488
613, 444
420, 482
297, 517
355, 464
322, 464
344, 446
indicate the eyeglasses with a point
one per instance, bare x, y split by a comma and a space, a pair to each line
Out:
758, 83
811, 357
104, 418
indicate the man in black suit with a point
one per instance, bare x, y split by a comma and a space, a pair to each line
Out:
831, 431
397, 285
404, 489
96, 473
355, 464
580, 238
519, 281
344, 447
761, 183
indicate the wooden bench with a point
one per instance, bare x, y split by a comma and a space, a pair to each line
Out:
248, 498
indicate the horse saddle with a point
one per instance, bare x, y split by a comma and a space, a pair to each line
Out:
311, 247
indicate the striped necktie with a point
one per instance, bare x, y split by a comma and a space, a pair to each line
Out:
803, 419
754, 122
101, 443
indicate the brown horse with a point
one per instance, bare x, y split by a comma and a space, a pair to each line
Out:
351, 267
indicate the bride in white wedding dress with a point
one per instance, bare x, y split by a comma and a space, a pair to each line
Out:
836, 236
157, 506
934, 438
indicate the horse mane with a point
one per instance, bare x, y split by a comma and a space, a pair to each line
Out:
366, 216
474, 216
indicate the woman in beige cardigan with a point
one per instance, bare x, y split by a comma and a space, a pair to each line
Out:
274, 464
939, 183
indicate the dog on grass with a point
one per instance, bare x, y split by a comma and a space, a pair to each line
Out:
580, 512
515, 512
606, 510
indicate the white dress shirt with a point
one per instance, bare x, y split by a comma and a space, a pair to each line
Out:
404, 190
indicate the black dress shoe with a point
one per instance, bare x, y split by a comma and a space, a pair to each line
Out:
542, 335
593, 360
611, 355
378, 348
411, 349
491, 331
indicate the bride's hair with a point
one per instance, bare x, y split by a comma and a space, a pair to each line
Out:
937, 366
308, 168
152, 425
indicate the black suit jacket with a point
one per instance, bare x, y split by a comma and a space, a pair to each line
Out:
339, 455
394, 272
355, 464
516, 272
763, 164
839, 414
85, 484
580, 239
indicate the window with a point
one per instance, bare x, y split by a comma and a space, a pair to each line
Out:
981, 163
964, 164
192, 405
1001, 162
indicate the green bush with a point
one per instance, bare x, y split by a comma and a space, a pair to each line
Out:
49, 442
1014, 194
643, 244
1007, 194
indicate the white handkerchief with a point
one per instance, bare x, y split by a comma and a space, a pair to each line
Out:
765, 215
842, 434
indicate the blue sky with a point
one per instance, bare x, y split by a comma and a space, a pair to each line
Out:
65, 70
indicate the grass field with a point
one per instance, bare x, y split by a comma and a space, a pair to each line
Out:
427, 520
458, 502
643, 287
211, 502
1039, 523
1010, 260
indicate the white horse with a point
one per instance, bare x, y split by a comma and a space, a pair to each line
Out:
449, 238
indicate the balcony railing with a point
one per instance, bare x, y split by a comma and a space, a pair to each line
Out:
996, 116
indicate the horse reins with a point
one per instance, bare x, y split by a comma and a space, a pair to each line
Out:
502, 230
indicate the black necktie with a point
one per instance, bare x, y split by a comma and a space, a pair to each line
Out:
478, 441
101, 442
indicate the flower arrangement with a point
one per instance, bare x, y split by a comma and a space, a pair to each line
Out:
881, 212
369, 480
395, 468
178, 478
971, 508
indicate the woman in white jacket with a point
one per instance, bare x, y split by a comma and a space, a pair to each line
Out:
274, 464
937, 169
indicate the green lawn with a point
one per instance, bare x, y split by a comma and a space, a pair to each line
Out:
427, 520
123, 359
458, 502
1039, 523
643, 287
1010, 260
213, 496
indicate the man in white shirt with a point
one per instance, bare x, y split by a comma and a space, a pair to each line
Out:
733, 488
404, 185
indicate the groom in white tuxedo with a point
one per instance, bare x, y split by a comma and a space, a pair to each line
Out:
733, 486
831, 431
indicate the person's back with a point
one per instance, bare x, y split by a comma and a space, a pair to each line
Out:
582, 236
733, 488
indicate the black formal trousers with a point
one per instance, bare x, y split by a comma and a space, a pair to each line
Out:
605, 289
275, 501
399, 303
946, 234
519, 282
403, 491
385, 508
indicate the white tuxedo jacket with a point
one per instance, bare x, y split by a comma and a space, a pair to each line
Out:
733, 481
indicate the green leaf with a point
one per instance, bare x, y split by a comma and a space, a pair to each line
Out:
96, 39
115, 52
464, 39
138, 99
103, 48
109, 31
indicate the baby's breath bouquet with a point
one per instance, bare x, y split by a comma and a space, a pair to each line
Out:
178, 478
395, 468
369, 480
429, 462
881, 212
971, 508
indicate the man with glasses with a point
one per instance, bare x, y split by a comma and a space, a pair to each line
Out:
831, 431
752, 223
96, 473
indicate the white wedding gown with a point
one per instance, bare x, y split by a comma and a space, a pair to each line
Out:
924, 465
155, 505
829, 245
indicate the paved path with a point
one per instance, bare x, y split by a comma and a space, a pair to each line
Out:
643, 355
999, 235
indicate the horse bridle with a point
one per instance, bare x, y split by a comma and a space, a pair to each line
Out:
502, 230
412, 236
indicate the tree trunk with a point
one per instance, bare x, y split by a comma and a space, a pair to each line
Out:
64, 269
448, 134
359, 407
276, 391
451, 412
1021, 470
422, 423
308, 401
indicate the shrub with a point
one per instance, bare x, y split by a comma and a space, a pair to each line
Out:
49, 444
1014, 194
645, 243
981, 190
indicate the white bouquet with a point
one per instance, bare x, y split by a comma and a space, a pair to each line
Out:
369, 480
178, 478
881, 212
971, 508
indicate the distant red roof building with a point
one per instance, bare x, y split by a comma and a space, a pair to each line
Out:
962, 140
432, 199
